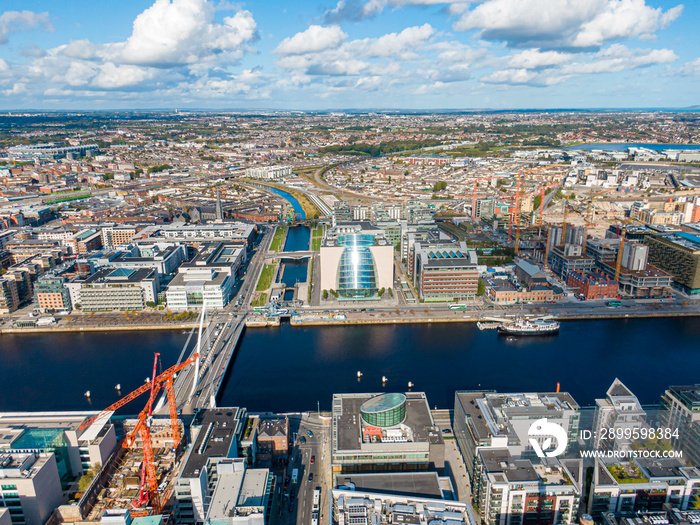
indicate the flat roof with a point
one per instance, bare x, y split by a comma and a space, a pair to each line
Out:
215, 437
423, 484
349, 421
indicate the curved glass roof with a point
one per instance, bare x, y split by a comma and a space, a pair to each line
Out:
356, 239
382, 403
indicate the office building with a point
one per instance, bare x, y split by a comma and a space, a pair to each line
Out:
445, 271
678, 254
241, 496
492, 420
384, 432
650, 282
510, 491
619, 410
58, 433
356, 260
30, 487
681, 410
209, 277
110, 289
215, 435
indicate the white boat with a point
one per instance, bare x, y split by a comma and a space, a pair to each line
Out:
522, 326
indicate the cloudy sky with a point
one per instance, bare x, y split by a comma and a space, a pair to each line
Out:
342, 54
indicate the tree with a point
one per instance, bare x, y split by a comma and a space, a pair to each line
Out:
439, 186
325, 294
481, 287
150, 304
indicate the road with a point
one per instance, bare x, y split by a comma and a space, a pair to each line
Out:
318, 447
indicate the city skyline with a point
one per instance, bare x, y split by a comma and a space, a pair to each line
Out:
375, 54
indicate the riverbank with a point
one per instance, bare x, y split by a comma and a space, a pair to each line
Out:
78, 329
305, 320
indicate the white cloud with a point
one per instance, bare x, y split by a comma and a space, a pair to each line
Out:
393, 44
83, 49
620, 58
534, 58
177, 32
689, 68
111, 76
546, 69
564, 23
18, 88
314, 39
14, 21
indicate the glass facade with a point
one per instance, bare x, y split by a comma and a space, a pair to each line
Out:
386, 410
357, 272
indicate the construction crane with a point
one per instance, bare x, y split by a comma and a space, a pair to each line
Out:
516, 212
620, 247
149, 481
148, 474
474, 194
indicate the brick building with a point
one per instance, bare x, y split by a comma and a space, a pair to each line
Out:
593, 285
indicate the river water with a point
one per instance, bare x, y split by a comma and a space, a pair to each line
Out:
290, 368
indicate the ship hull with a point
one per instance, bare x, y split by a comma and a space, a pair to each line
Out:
524, 331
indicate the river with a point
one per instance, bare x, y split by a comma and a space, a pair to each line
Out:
290, 369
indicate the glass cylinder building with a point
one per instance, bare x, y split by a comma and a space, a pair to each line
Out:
385, 410
357, 271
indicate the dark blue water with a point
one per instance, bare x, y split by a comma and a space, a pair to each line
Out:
297, 239
293, 272
298, 210
291, 368
53, 371
618, 146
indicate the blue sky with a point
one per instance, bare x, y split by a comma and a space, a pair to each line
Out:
345, 54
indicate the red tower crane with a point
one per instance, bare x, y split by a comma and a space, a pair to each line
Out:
149, 481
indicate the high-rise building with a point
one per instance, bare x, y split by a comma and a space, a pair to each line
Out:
444, 271
678, 254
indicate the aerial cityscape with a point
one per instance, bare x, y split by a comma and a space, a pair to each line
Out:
383, 262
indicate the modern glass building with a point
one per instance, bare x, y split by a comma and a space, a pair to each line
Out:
357, 271
385, 410
357, 261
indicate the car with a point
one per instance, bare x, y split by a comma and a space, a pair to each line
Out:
291, 496
446, 431
309, 433
291, 507
313, 458
311, 476
302, 439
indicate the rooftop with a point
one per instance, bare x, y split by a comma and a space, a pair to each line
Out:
215, 438
423, 484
